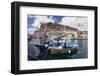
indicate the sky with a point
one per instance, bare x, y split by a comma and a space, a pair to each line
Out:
34, 22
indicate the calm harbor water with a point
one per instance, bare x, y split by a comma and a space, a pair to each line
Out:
82, 53
83, 49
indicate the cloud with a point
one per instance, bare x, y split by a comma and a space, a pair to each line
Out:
42, 19
30, 31
38, 20
83, 24
36, 23
45, 19
80, 23
70, 21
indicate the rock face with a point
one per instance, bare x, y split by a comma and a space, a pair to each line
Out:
57, 27
53, 30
